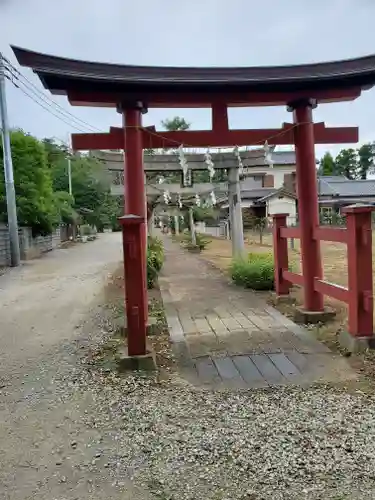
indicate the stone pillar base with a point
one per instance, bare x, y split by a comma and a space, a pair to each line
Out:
355, 345
304, 317
145, 362
282, 299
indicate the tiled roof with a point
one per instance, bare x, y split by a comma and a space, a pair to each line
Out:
346, 188
253, 194
284, 157
59, 73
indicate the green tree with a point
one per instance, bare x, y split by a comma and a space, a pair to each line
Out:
327, 165
366, 154
176, 123
347, 163
65, 207
170, 124
90, 185
36, 206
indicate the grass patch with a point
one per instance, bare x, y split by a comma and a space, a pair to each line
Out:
155, 260
255, 272
201, 242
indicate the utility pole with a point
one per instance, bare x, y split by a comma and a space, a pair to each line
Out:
69, 166
8, 173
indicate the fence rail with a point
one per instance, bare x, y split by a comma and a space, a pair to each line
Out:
358, 236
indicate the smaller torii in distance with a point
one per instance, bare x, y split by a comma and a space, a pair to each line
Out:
164, 163
132, 90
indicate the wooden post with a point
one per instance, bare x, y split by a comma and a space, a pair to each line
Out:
192, 227
235, 212
177, 224
151, 223
135, 298
360, 286
134, 182
280, 250
307, 202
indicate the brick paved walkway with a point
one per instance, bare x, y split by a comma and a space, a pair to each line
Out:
225, 336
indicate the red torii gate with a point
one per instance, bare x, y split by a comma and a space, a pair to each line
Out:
134, 89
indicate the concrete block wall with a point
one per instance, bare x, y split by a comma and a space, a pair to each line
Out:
30, 247
4, 247
35, 247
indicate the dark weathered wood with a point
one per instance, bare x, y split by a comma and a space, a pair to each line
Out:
269, 371
284, 365
227, 369
207, 371
248, 371
299, 360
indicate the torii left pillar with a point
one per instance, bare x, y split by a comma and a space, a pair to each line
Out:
135, 204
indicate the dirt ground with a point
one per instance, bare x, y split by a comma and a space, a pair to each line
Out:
50, 309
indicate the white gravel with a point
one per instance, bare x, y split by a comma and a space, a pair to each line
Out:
182, 443
70, 432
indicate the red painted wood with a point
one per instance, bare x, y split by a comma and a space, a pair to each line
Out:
93, 141
336, 291
209, 138
280, 249
335, 234
290, 232
176, 99
307, 205
294, 278
360, 320
134, 270
134, 184
220, 123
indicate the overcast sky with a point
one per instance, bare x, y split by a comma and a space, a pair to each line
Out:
192, 33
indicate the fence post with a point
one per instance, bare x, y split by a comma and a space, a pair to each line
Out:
360, 286
280, 251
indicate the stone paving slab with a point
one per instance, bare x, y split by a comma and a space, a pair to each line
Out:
228, 337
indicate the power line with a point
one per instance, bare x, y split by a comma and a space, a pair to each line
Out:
16, 74
44, 106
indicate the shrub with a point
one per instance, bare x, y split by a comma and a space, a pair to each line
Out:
256, 272
155, 259
86, 230
201, 241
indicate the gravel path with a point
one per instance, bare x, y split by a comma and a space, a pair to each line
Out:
182, 443
71, 431
46, 308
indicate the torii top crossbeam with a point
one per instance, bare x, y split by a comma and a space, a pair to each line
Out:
94, 83
123, 86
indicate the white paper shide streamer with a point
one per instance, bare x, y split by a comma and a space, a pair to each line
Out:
167, 197
268, 155
183, 164
209, 163
179, 201
213, 198
197, 200
236, 152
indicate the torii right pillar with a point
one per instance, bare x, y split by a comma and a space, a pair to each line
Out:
308, 207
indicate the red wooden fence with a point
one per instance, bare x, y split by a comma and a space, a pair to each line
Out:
358, 237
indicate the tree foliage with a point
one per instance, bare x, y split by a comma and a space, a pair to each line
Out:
347, 163
92, 198
351, 163
170, 124
176, 123
42, 186
327, 165
36, 206
366, 154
